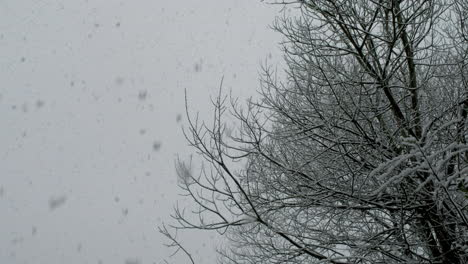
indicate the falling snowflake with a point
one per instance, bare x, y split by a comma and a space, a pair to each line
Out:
55, 202
156, 145
125, 211
39, 103
142, 95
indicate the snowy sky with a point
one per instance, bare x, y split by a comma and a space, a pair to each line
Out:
90, 101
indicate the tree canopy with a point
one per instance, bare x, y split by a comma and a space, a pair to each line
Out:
359, 155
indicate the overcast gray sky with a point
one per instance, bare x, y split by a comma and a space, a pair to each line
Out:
90, 97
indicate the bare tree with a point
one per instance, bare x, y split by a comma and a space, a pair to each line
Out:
359, 155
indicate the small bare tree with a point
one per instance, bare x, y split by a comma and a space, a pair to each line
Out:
360, 155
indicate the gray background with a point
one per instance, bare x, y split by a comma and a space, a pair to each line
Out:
91, 109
